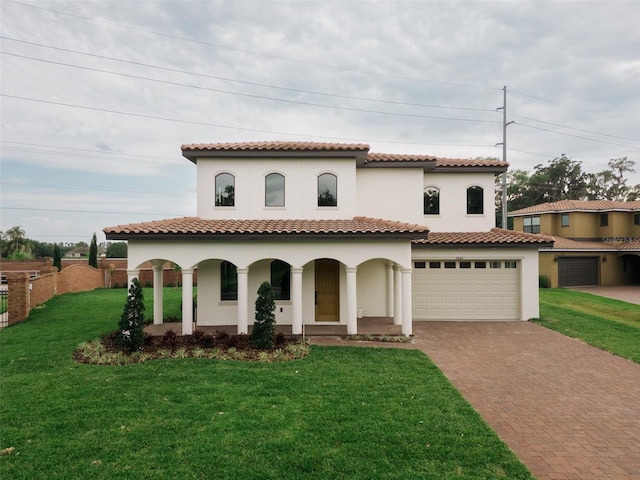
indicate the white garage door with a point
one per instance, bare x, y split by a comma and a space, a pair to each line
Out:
466, 290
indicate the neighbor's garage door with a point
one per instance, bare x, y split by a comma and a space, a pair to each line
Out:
577, 271
466, 290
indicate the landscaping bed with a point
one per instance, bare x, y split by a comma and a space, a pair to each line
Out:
220, 346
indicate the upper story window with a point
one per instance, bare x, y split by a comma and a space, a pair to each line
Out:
604, 219
274, 190
431, 201
281, 280
636, 219
228, 281
531, 224
565, 220
225, 190
475, 200
327, 190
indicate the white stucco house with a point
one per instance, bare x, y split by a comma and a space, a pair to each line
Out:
339, 231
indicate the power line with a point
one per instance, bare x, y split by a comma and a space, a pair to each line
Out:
260, 97
577, 129
85, 211
576, 136
252, 52
230, 127
85, 187
105, 152
244, 82
572, 106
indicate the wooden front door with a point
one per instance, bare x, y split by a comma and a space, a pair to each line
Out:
327, 290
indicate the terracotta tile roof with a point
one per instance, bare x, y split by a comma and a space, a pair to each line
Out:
561, 243
275, 146
195, 226
496, 236
439, 162
578, 206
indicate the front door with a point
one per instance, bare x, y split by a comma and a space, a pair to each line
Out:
327, 290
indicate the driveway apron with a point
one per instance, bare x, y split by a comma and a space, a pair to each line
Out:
567, 410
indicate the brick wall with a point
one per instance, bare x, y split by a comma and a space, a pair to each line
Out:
18, 286
79, 278
42, 289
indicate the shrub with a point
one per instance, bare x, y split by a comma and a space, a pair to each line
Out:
543, 281
131, 334
169, 339
265, 319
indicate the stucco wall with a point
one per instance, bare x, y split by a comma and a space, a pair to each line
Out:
300, 188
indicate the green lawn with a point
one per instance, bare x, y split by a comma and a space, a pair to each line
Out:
602, 322
342, 412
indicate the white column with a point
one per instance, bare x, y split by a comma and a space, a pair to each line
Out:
131, 274
352, 301
397, 297
243, 299
157, 294
187, 301
390, 301
407, 314
296, 300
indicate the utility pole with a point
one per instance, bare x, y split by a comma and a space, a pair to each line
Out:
504, 155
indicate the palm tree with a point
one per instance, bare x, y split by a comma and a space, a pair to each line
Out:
15, 237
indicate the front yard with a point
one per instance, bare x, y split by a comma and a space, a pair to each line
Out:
608, 324
342, 412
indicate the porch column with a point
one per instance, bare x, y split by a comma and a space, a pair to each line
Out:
407, 317
397, 297
131, 274
157, 293
352, 301
243, 299
187, 301
296, 300
390, 301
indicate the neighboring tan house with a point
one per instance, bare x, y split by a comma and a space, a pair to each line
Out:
340, 233
596, 242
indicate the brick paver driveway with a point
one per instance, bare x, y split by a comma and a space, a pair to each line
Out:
568, 410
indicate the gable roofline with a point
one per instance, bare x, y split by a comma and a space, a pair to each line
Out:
193, 228
587, 206
358, 151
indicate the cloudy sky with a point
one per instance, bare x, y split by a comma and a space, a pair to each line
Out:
98, 96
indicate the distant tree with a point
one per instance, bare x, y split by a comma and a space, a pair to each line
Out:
15, 238
265, 319
57, 257
131, 335
117, 250
42, 249
611, 184
93, 252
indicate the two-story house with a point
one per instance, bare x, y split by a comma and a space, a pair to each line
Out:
340, 233
595, 242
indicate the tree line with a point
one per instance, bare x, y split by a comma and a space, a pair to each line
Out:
15, 245
564, 179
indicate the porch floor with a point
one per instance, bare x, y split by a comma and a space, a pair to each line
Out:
366, 326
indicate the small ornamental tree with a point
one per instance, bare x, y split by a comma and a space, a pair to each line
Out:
264, 325
131, 335
93, 252
57, 257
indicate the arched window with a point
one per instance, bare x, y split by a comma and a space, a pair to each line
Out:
225, 190
274, 190
431, 201
228, 281
281, 280
327, 190
475, 200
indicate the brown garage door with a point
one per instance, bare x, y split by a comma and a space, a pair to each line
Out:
577, 271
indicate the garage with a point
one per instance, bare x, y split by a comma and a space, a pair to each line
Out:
577, 271
466, 290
